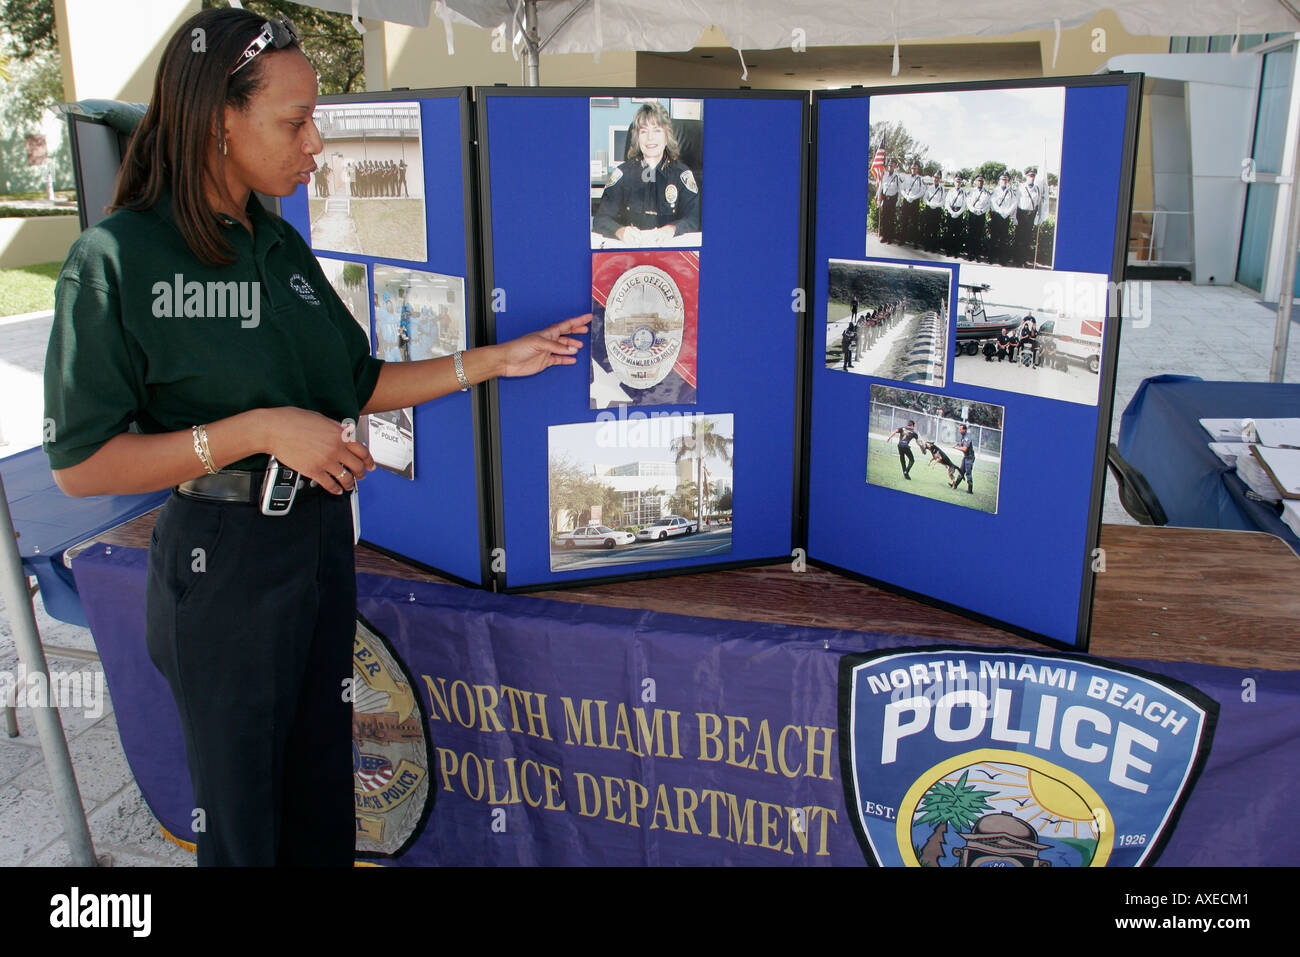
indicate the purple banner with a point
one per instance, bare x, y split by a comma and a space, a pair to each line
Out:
496, 729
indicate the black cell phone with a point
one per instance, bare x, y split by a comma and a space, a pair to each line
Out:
278, 488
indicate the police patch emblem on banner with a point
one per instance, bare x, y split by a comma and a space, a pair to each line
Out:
644, 328
954, 757
390, 750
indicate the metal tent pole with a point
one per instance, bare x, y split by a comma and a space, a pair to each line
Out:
532, 42
1282, 333
58, 763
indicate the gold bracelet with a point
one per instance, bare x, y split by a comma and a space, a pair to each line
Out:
201, 449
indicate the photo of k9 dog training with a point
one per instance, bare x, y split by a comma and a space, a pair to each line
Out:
937, 446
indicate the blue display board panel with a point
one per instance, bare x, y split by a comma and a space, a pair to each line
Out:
1028, 566
436, 519
538, 263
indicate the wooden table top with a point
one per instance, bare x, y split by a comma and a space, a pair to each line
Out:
1173, 594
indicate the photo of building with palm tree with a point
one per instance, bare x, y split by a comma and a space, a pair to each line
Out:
665, 479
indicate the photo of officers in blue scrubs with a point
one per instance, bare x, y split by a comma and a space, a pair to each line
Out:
969, 176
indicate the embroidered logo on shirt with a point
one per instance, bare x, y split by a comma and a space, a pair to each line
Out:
304, 290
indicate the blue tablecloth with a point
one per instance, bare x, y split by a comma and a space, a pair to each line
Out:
1161, 435
49, 522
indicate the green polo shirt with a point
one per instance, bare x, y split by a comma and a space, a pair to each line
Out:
146, 335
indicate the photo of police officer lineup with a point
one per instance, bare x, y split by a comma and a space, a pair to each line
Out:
888, 320
418, 315
1033, 332
966, 175
940, 447
367, 194
646, 169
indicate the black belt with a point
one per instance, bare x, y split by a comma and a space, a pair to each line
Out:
235, 485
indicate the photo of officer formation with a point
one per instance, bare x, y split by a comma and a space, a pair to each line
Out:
646, 159
367, 194
969, 176
888, 320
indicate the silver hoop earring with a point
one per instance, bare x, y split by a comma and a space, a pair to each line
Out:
223, 147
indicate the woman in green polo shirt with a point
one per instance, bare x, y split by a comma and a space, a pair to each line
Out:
195, 335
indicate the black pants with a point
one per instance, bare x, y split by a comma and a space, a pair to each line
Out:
1024, 236
956, 236
251, 620
999, 239
976, 240
905, 458
885, 219
907, 223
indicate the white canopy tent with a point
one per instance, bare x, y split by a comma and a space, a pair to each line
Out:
593, 26
590, 26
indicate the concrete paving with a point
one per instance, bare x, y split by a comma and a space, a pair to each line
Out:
1214, 332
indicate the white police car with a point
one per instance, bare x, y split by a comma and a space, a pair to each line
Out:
666, 528
594, 536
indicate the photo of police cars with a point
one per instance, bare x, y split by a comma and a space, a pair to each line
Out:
1036, 333
390, 436
640, 488
940, 447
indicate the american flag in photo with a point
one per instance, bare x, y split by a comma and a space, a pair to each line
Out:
878, 165
374, 771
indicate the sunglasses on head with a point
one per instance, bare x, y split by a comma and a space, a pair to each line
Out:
278, 33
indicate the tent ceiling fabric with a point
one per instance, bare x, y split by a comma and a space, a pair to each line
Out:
674, 25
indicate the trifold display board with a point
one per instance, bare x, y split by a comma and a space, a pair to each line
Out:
877, 330
958, 445
681, 412
389, 214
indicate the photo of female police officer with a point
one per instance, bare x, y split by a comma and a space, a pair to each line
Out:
646, 166
256, 640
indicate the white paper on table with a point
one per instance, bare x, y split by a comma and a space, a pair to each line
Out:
1279, 433
1226, 451
1250, 471
1284, 466
1223, 430
1291, 515
682, 241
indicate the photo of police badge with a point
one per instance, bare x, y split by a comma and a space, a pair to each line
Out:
644, 328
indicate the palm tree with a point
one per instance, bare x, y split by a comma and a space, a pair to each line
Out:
655, 493
706, 442
683, 499
943, 804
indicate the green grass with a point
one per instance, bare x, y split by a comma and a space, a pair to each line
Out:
884, 468
30, 211
27, 288
392, 228
65, 195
